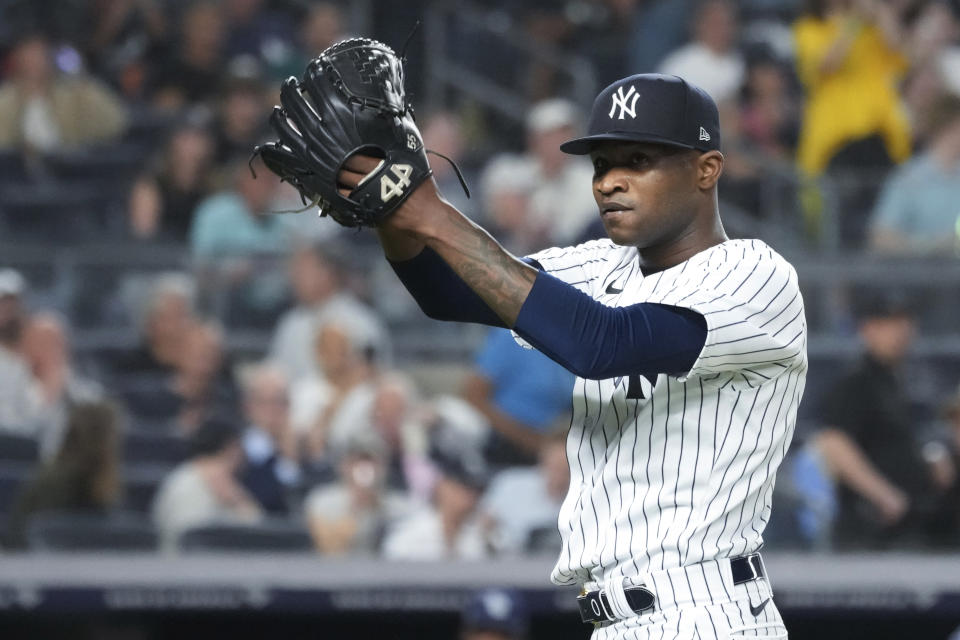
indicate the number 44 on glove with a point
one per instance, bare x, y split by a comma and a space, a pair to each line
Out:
350, 100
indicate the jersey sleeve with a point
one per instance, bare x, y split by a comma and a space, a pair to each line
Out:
750, 299
580, 266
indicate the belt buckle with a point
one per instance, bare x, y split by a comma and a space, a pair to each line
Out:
594, 606
753, 569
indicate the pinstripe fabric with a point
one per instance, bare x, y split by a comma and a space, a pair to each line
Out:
683, 474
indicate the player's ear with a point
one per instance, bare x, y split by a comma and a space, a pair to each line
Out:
709, 168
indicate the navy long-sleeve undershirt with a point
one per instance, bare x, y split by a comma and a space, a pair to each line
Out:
586, 337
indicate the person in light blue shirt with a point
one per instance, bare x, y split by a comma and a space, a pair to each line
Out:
239, 222
238, 241
521, 392
918, 211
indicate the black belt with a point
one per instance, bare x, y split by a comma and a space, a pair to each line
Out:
594, 606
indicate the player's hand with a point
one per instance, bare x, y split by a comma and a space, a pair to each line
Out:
415, 212
892, 504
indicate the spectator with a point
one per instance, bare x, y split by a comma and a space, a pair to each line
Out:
870, 439
329, 408
272, 468
505, 191
351, 515
450, 526
523, 504
202, 385
163, 320
45, 111
319, 290
239, 223
660, 27
322, 27
605, 35
398, 419
82, 477
711, 61
916, 212
443, 133
558, 202
743, 168
241, 110
254, 29
47, 352
521, 393
931, 39
191, 72
205, 489
769, 115
494, 614
163, 199
199, 384
19, 405
123, 36
849, 60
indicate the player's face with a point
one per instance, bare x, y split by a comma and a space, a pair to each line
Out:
647, 193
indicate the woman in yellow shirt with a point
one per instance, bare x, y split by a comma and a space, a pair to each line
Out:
849, 63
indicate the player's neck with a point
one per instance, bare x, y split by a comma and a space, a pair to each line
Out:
680, 249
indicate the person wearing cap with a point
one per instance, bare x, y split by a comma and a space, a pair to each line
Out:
871, 437
450, 526
494, 614
557, 205
18, 410
689, 351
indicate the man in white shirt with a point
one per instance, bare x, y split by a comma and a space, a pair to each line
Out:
272, 467
711, 60
319, 292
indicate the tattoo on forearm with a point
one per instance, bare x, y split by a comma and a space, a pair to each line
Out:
500, 279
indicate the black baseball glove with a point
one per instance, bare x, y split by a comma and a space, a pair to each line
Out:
350, 100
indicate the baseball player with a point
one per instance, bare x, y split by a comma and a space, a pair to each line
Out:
690, 352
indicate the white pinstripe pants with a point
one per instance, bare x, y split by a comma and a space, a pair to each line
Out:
701, 603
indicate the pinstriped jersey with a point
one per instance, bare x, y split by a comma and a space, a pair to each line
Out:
680, 469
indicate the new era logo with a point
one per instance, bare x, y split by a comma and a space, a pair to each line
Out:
704, 135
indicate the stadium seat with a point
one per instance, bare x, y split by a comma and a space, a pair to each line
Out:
53, 213
109, 165
153, 447
543, 541
17, 448
140, 483
12, 167
12, 477
272, 536
66, 531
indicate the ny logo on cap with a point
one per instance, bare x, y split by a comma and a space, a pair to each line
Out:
620, 100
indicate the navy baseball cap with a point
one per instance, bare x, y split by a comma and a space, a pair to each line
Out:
651, 107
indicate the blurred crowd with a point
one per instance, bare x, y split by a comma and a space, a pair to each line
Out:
131, 123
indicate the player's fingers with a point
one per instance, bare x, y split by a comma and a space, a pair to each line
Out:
359, 163
349, 179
